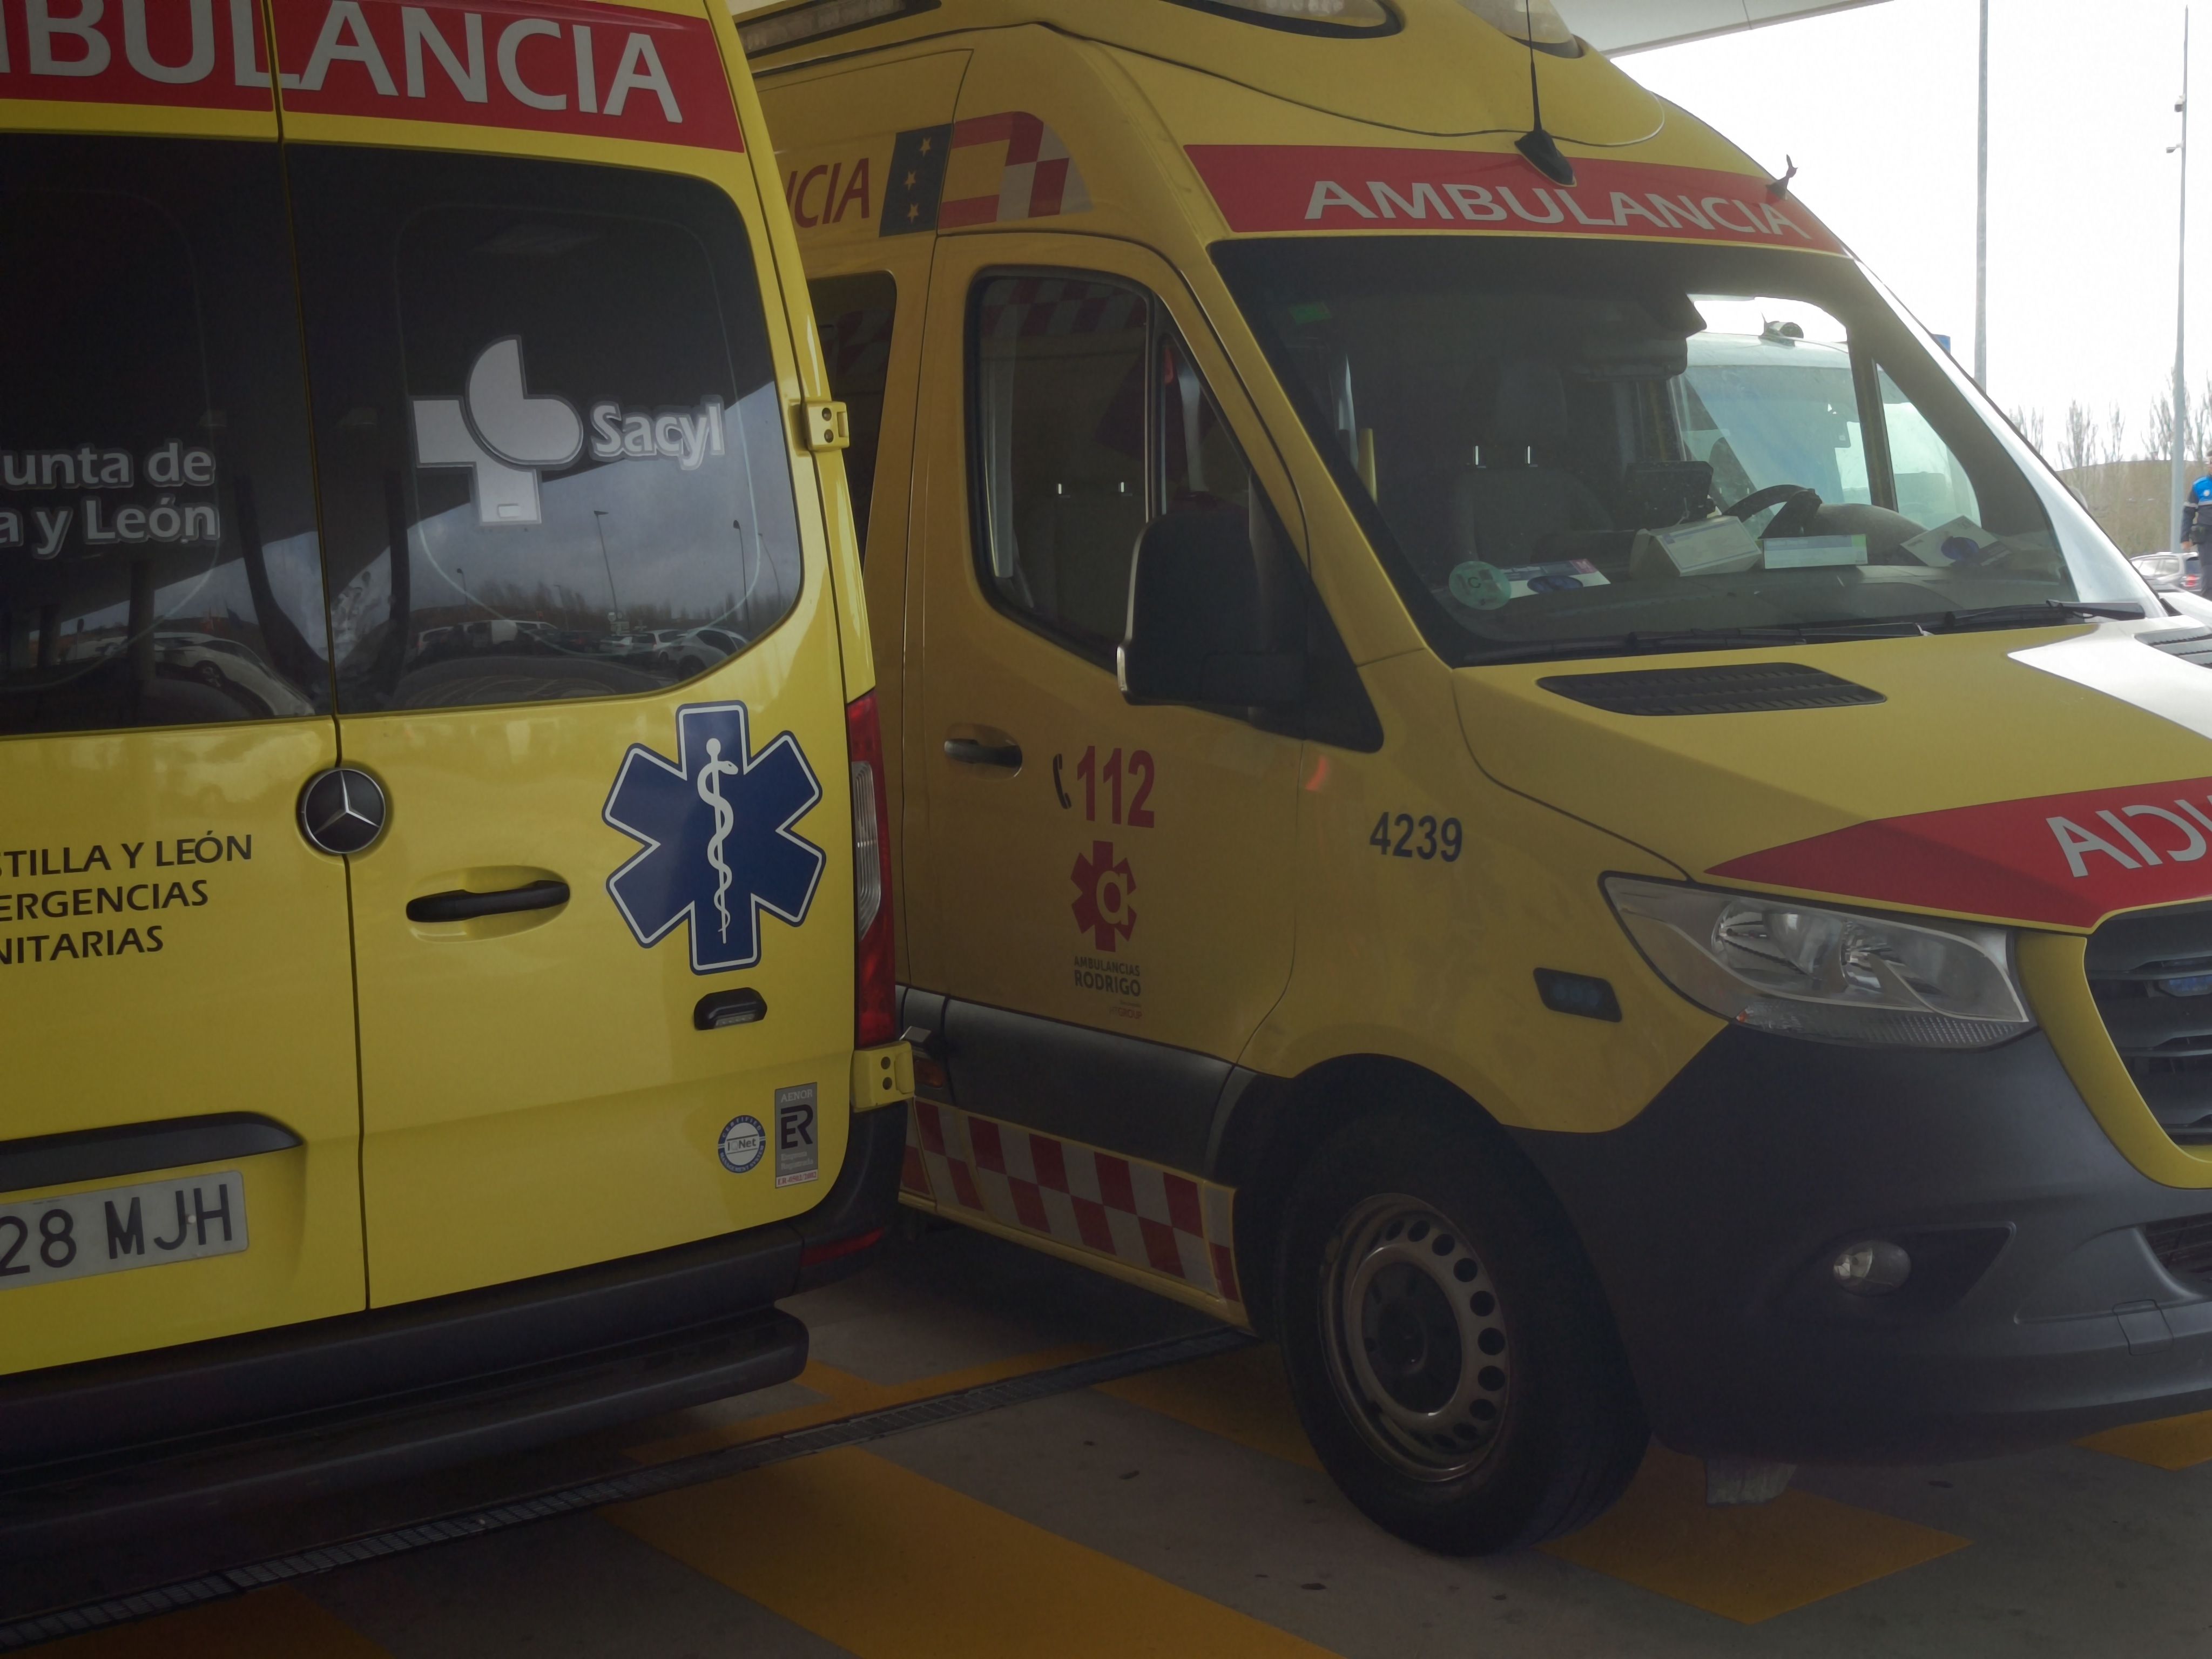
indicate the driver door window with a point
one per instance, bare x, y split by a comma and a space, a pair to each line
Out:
1091, 420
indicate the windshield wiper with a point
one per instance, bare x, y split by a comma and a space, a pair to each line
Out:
2042, 614
1704, 639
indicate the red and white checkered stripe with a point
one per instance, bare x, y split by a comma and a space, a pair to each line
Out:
1034, 307
1140, 1214
1037, 177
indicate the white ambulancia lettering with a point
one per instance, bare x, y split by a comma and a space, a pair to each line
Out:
510, 73
196, 68
346, 38
502, 432
561, 77
1390, 204
246, 66
42, 26
639, 70
2074, 840
2142, 846
1327, 193
418, 29
2191, 850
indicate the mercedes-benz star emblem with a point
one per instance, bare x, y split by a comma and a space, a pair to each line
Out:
342, 810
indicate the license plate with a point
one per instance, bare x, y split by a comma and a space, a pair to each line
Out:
118, 1228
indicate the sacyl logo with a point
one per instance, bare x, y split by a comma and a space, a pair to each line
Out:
496, 427
718, 844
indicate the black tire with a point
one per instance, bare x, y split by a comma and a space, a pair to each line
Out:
1490, 1407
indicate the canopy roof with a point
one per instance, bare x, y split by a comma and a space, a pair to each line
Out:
1621, 26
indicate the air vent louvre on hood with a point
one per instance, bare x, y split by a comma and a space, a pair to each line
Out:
1737, 689
2190, 644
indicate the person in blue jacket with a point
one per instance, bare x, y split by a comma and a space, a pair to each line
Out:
2197, 521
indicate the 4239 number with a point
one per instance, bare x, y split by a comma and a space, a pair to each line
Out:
1402, 835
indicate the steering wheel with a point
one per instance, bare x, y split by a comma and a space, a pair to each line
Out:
1794, 519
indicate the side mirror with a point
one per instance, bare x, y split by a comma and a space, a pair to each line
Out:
1199, 627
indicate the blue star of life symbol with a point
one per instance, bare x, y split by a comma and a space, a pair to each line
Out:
717, 828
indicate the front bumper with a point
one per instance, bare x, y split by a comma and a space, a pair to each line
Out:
2037, 1312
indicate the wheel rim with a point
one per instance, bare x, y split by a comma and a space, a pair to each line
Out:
1416, 1337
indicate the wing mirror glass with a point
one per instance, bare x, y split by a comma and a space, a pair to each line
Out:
1201, 630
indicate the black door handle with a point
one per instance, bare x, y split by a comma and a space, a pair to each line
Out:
467, 907
968, 752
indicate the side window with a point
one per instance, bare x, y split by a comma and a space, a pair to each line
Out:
158, 558
1932, 487
552, 453
1090, 420
855, 316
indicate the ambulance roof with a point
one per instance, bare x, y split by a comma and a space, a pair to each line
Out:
1444, 72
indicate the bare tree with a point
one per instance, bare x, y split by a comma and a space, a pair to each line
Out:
2113, 446
2200, 446
2078, 443
2161, 426
2031, 424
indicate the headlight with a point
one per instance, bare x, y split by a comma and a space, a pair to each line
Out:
1834, 976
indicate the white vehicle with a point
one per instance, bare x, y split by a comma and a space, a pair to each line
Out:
693, 653
1820, 445
228, 666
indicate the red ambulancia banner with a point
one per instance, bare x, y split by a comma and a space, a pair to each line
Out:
190, 54
601, 71
2070, 860
1263, 187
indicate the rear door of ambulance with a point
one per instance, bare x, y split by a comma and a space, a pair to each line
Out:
179, 1129
604, 944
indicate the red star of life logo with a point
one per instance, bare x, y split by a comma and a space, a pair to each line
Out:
1102, 886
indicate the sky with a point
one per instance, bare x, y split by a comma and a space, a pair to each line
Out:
1877, 107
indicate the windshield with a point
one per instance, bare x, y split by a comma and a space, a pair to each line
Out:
1560, 449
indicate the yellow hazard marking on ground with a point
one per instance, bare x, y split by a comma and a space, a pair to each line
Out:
1240, 1396
2171, 1443
1746, 1564
889, 1564
279, 1623
846, 1395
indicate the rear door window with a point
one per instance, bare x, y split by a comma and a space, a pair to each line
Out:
549, 385
159, 563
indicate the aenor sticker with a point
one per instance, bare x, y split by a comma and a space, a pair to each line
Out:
798, 1146
743, 1143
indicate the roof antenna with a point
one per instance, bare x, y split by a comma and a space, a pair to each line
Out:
1779, 188
1541, 149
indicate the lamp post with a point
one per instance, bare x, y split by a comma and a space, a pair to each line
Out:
2181, 458
614, 604
1982, 221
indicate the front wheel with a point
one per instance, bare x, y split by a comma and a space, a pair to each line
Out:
1450, 1350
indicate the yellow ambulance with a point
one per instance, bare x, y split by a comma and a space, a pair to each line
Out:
1499, 769
445, 939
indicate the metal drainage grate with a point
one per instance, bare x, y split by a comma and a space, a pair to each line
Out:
621, 1488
